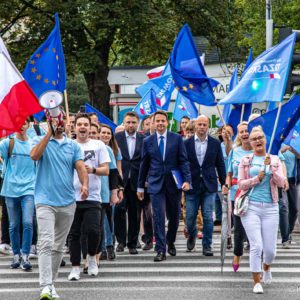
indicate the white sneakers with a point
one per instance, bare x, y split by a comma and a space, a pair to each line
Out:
258, 289
5, 249
46, 293
93, 267
74, 274
54, 294
267, 277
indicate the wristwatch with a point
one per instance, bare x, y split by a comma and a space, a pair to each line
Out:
94, 170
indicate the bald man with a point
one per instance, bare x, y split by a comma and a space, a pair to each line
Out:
205, 157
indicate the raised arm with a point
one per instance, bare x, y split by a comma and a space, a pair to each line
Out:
38, 150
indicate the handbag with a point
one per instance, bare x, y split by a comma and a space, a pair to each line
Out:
241, 203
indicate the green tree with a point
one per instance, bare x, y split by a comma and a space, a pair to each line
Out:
99, 34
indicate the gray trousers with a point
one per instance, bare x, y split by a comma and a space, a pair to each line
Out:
54, 223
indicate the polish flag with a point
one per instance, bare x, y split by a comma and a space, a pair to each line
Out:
17, 100
156, 72
275, 76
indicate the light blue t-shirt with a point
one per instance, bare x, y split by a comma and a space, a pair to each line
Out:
290, 162
31, 133
225, 156
19, 179
262, 191
105, 192
234, 159
55, 172
119, 155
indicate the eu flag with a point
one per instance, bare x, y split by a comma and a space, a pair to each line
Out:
289, 115
265, 79
46, 68
147, 105
293, 138
163, 87
188, 72
184, 107
101, 117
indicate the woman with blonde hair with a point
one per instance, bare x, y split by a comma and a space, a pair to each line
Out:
241, 149
261, 175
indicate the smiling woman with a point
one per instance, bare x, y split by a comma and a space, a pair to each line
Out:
260, 176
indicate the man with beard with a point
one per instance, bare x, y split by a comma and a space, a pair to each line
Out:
130, 144
54, 195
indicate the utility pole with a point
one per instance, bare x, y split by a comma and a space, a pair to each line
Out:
269, 24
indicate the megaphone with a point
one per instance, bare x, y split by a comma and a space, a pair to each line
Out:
51, 101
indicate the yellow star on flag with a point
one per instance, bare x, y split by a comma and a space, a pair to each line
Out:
191, 86
53, 82
46, 49
53, 50
38, 77
38, 55
32, 62
184, 88
56, 56
46, 80
33, 70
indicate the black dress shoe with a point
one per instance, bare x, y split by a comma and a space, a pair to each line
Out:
110, 253
207, 252
172, 249
103, 255
191, 243
160, 256
120, 248
133, 251
148, 246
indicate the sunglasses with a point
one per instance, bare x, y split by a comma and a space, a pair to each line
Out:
258, 138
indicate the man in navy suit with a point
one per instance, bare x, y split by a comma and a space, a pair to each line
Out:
163, 152
130, 144
205, 157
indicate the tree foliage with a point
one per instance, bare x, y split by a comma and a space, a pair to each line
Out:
99, 34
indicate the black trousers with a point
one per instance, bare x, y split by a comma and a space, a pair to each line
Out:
87, 220
147, 218
132, 205
4, 223
239, 236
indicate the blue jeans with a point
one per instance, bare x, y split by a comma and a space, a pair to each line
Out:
15, 206
218, 206
207, 202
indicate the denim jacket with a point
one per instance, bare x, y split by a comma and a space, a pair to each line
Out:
245, 182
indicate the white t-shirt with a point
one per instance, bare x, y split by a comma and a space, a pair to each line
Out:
95, 154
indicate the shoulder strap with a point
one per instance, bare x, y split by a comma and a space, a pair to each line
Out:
11, 146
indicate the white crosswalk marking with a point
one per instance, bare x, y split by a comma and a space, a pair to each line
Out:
186, 276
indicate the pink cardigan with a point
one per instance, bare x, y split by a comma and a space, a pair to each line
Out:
245, 182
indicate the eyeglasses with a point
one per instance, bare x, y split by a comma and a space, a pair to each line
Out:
258, 138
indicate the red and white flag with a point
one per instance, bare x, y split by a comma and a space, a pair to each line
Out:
17, 100
156, 72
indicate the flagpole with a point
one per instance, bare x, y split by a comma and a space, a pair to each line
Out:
67, 107
171, 123
275, 127
220, 115
242, 113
